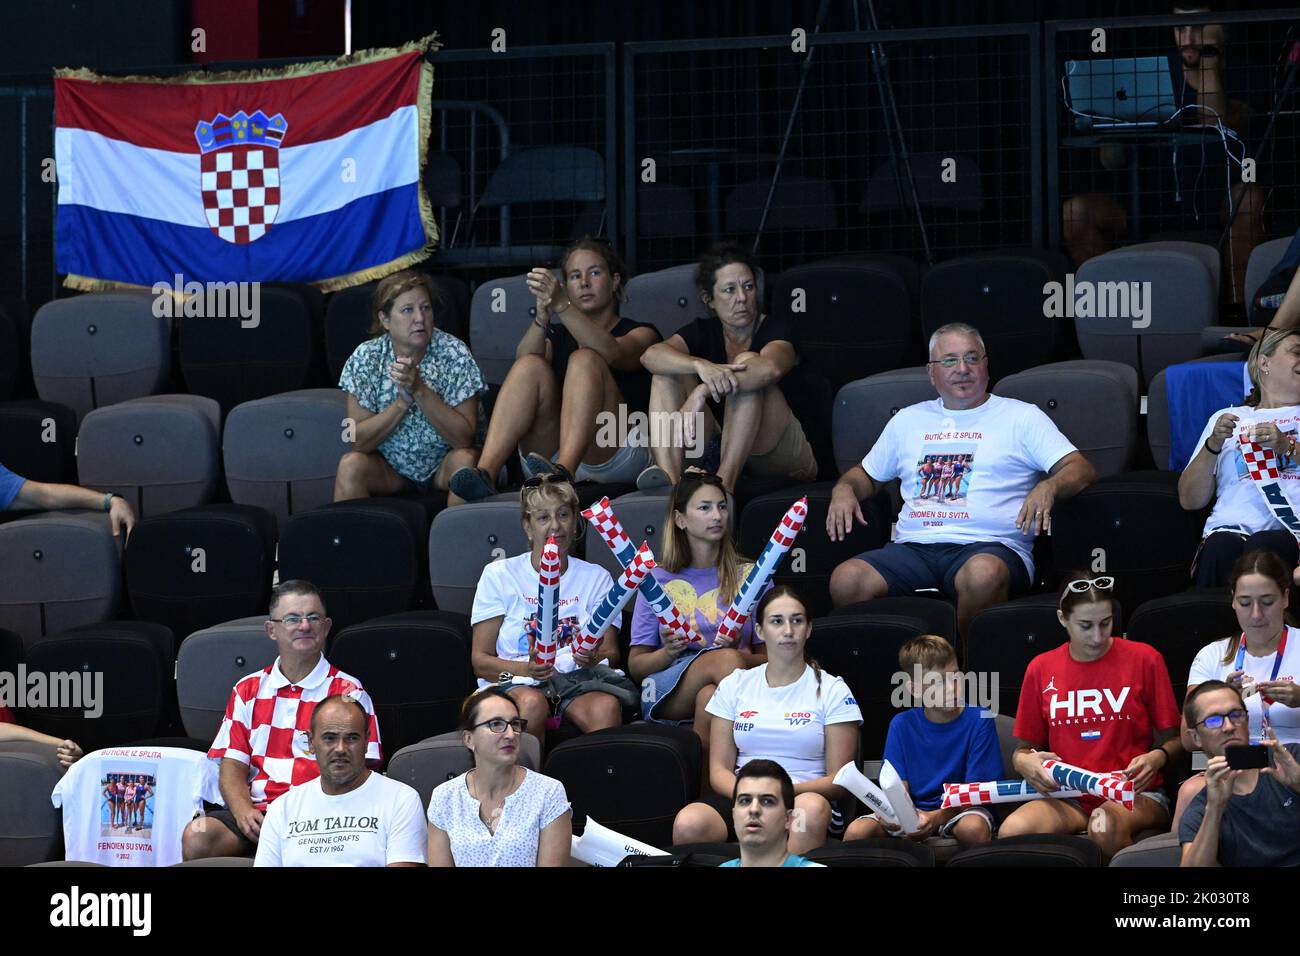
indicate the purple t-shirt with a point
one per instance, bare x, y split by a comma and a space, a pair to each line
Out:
10, 485
695, 593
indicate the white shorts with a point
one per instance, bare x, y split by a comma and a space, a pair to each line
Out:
628, 462
946, 829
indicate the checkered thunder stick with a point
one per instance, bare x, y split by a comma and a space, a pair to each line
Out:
603, 519
1265, 469
615, 599
548, 602
1108, 786
995, 791
733, 622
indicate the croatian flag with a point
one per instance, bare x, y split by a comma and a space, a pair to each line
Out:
309, 173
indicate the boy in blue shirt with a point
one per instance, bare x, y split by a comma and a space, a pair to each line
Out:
941, 741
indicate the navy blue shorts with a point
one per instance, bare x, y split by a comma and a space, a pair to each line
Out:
908, 567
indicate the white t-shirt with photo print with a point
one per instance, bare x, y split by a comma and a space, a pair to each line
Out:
1238, 505
378, 823
994, 454
508, 588
786, 724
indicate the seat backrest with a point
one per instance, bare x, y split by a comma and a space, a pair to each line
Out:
939, 615
193, 569
888, 186
1160, 435
463, 540
1163, 851
1136, 524
367, 556
1155, 295
499, 315
1031, 849
1001, 294
282, 452
132, 663
97, 349
415, 667
642, 515
547, 174
430, 763
1004, 638
209, 664
236, 358
632, 779
853, 315
1094, 404
1179, 625
881, 851
667, 298
31, 829
799, 202
160, 453
38, 440
347, 317
59, 571
863, 408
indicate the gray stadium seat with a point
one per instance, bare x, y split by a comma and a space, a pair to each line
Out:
1159, 436
463, 540
282, 452
1184, 279
1093, 403
347, 318
59, 571
160, 452
220, 861
1263, 260
24, 427
94, 350
495, 334
31, 829
862, 409
208, 665
1162, 851
642, 515
435, 761
667, 298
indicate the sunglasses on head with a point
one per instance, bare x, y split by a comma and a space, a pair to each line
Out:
538, 480
704, 478
1083, 585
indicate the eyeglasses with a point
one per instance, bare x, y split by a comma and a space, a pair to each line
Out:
951, 361
1083, 585
1215, 721
498, 725
293, 620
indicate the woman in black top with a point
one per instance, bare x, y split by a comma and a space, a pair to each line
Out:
559, 405
741, 360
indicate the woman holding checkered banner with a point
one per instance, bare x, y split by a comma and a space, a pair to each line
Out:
1100, 704
1246, 463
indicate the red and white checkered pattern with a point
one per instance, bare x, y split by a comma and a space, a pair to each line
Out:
1118, 789
241, 191
968, 794
607, 525
643, 562
267, 721
732, 623
1261, 462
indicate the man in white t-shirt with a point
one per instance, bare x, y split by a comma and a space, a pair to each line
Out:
349, 815
975, 540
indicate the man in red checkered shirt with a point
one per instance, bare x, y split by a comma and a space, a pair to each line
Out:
262, 743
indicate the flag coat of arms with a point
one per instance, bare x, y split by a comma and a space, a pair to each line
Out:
309, 173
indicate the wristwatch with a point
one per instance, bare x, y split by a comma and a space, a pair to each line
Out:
108, 501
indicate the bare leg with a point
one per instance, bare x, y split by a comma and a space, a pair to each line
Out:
698, 823
455, 459
668, 394
983, 580
204, 838
1112, 827
589, 389
594, 711
812, 818
363, 474
534, 708
855, 580
1044, 816
526, 414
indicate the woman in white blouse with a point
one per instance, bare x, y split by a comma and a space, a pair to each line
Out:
498, 814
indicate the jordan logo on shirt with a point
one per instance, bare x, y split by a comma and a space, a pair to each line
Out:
1051, 685
1076, 706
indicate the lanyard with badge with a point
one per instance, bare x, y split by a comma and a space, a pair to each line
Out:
1265, 700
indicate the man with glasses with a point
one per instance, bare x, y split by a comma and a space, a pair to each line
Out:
349, 815
262, 743
976, 546
1242, 817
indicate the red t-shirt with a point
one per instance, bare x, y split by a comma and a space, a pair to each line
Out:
1099, 714
7, 715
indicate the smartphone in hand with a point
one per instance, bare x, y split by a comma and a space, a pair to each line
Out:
1247, 756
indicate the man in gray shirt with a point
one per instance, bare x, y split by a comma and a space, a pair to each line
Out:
1242, 817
